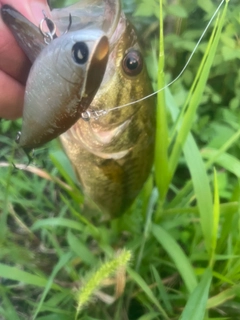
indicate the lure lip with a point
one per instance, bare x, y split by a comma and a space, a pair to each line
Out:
99, 63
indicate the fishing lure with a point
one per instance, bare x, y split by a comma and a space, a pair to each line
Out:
63, 80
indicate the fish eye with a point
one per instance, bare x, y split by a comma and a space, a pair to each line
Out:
132, 63
80, 52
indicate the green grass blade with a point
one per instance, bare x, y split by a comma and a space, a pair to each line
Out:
233, 139
201, 188
61, 263
216, 215
81, 249
195, 95
161, 143
221, 277
9, 310
53, 316
162, 290
196, 305
57, 222
62, 163
177, 254
225, 160
146, 289
219, 318
13, 273
213, 156
80, 217
222, 297
150, 316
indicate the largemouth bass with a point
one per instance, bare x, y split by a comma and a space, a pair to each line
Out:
112, 148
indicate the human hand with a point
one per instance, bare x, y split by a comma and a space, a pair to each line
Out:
14, 65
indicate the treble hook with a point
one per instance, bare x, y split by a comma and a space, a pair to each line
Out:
48, 36
70, 24
26, 150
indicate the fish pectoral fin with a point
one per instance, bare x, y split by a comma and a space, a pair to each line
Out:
112, 170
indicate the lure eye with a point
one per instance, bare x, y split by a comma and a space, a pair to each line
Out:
80, 52
132, 63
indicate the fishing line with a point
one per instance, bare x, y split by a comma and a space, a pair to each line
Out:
104, 112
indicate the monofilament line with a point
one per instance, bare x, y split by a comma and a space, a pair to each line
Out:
184, 68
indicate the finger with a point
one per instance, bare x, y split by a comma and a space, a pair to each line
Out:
13, 61
31, 9
11, 97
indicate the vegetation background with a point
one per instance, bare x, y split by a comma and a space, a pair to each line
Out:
184, 228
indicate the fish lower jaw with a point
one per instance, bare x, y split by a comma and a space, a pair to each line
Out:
107, 155
107, 137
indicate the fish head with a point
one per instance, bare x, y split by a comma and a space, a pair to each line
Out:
125, 80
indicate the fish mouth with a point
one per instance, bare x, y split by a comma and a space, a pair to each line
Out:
97, 141
106, 137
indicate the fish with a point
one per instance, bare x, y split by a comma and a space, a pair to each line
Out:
111, 147
62, 81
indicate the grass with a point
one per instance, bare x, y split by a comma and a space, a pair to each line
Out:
182, 230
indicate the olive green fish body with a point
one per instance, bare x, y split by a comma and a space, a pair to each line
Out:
113, 154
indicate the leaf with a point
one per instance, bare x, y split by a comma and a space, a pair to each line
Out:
9, 310
177, 10
206, 5
146, 289
146, 8
225, 160
201, 188
161, 142
216, 215
223, 296
177, 254
13, 273
193, 100
57, 222
149, 316
162, 290
196, 305
80, 249
62, 163
61, 263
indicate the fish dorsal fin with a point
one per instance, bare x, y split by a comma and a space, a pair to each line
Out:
111, 16
95, 14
